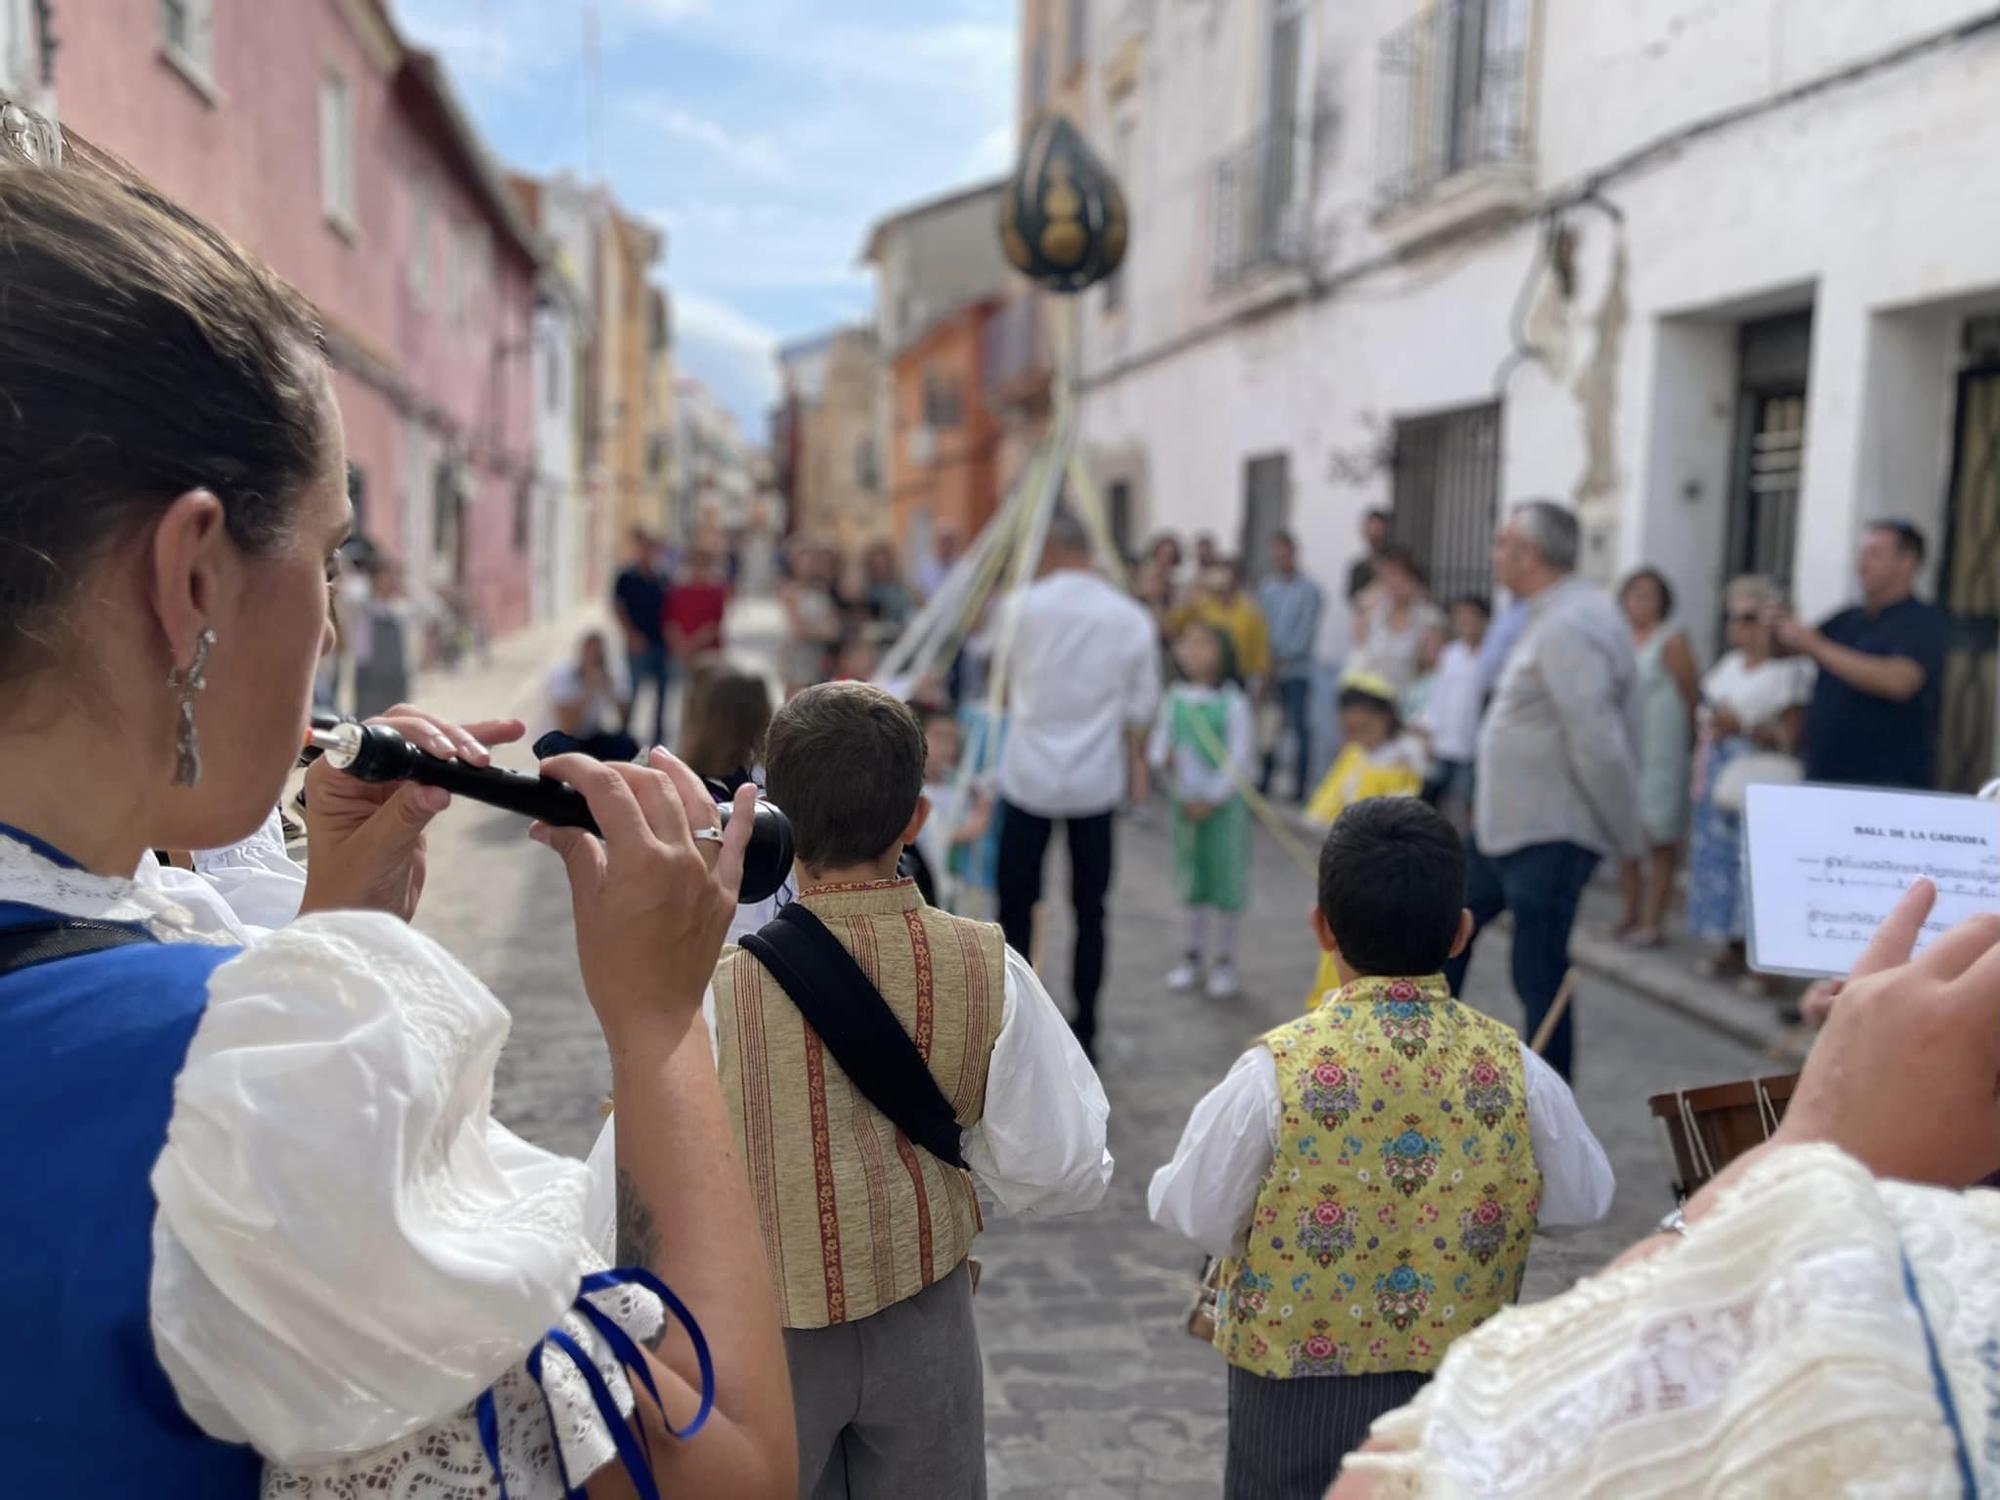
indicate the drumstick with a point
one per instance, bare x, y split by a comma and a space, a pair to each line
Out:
1550, 1021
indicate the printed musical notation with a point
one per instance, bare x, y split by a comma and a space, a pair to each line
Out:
1827, 864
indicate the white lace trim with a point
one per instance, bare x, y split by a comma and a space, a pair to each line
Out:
446, 1461
1774, 1353
34, 880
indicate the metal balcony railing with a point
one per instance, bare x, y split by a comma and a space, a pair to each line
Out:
1261, 202
1454, 95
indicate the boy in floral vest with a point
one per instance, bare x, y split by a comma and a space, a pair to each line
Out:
1372, 1173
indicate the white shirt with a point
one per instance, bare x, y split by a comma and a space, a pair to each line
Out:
1039, 1146
236, 893
1458, 694
1194, 779
601, 712
1209, 1190
1084, 673
1761, 694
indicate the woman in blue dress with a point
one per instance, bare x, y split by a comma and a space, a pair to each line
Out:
262, 1229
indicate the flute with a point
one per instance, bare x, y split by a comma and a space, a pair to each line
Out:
377, 753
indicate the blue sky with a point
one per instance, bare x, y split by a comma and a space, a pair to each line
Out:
764, 135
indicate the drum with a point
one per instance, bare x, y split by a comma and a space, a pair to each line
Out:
1708, 1128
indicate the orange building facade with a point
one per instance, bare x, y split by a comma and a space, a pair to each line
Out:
944, 474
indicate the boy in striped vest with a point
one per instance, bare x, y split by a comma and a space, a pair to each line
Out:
1371, 1174
866, 1231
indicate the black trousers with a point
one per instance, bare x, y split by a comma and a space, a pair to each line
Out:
1542, 886
1287, 1437
1024, 843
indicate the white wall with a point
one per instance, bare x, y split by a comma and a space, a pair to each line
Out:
1865, 202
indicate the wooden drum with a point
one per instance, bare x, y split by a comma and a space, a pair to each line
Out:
1708, 1128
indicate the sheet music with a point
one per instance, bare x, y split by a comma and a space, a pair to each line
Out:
1824, 866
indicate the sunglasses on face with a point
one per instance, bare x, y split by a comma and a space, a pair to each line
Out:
1751, 618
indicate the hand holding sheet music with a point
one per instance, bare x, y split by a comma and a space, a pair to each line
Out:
1826, 864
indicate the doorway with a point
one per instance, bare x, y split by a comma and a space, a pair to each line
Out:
1969, 582
1267, 508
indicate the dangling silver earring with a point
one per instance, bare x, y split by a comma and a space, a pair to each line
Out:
188, 685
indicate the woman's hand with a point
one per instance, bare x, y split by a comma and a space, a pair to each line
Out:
652, 903
1906, 1076
367, 839
1723, 724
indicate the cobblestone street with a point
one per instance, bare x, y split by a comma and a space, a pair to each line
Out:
1093, 1387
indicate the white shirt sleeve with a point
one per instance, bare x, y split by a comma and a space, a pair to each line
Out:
1039, 1146
1145, 691
1242, 735
1160, 747
1208, 1192
346, 1241
1577, 1182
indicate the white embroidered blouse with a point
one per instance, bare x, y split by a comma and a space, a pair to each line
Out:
349, 1250
1780, 1350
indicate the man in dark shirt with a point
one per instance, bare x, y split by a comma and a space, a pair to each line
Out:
1375, 531
640, 599
1873, 719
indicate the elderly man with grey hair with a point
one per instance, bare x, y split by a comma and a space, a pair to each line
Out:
1558, 780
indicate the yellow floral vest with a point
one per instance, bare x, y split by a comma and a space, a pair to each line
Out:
1398, 1208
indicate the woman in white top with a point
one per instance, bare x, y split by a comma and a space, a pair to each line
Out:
266, 1232
1825, 1318
1391, 621
1752, 702
589, 699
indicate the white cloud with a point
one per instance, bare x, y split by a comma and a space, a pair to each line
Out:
735, 356
991, 154
752, 153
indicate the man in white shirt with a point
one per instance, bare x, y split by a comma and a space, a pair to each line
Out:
1083, 684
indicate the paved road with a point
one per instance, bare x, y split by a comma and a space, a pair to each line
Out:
1093, 1388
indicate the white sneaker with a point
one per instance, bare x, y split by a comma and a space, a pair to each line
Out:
1184, 976
1222, 983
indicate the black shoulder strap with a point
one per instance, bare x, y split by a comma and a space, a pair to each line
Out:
35, 943
838, 1001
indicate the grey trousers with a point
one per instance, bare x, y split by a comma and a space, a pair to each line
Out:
1287, 1437
893, 1407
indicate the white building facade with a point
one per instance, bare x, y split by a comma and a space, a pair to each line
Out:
1722, 277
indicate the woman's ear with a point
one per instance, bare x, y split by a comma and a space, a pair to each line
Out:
186, 569
1464, 939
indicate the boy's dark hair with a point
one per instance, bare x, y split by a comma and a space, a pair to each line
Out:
1474, 601
846, 763
1392, 886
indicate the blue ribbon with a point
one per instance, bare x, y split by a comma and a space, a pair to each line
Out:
634, 1453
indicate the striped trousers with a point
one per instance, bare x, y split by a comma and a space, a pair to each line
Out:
1287, 1437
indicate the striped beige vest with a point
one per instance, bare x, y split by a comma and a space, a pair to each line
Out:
856, 1218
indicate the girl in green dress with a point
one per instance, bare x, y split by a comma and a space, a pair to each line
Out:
1204, 744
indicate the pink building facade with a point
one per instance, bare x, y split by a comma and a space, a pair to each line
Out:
313, 134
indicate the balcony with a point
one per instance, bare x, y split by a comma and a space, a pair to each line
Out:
1455, 100
1261, 203
1014, 356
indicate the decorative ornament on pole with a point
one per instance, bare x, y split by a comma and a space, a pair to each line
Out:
1062, 216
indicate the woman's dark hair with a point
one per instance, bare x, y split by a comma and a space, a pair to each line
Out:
142, 355
728, 717
1658, 580
1392, 886
1404, 558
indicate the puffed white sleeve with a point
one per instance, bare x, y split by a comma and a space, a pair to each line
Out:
349, 1250
1208, 1192
1577, 1181
1039, 1146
